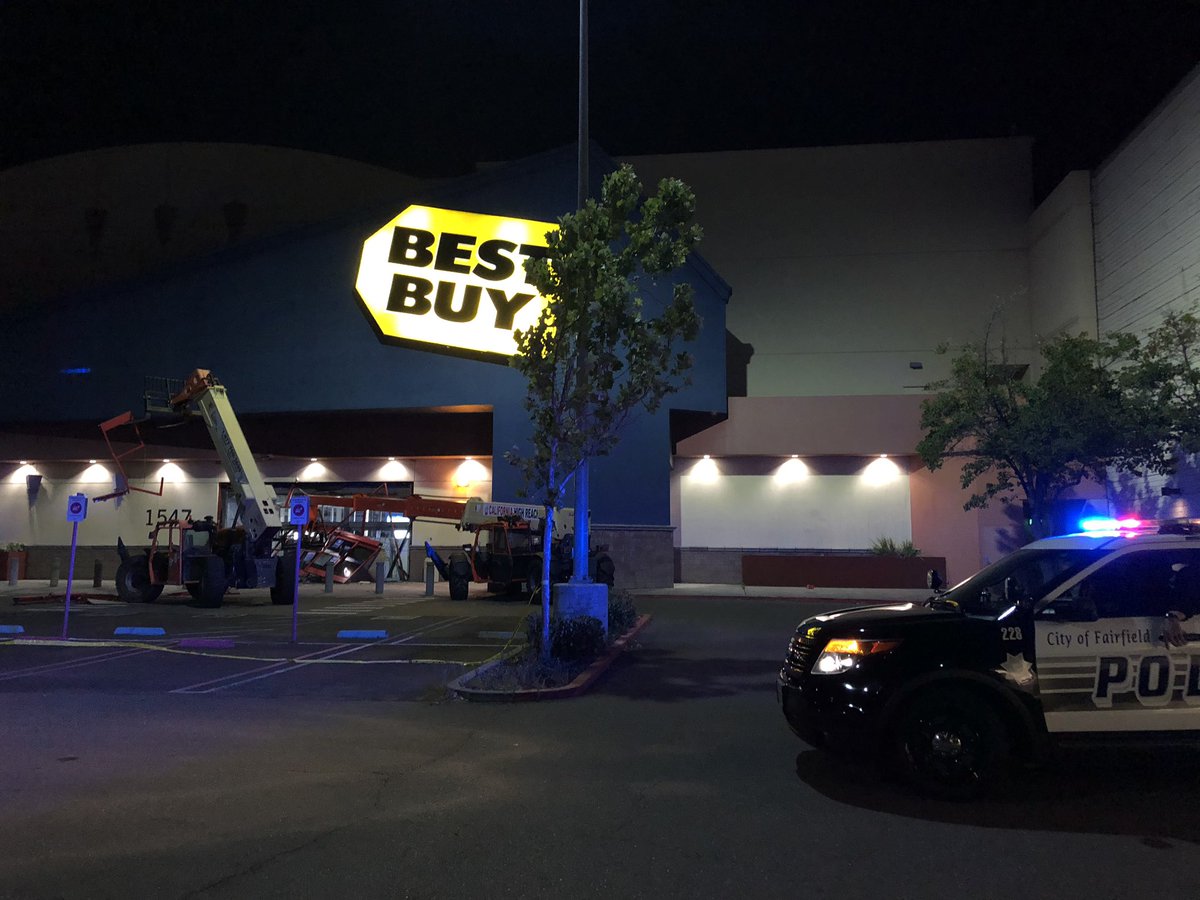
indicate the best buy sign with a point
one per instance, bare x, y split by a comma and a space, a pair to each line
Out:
457, 279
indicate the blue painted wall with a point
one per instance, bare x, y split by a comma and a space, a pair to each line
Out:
279, 323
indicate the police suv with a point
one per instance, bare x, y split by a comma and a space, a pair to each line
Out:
1083, 635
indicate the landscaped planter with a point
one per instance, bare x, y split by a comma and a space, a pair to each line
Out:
839, 571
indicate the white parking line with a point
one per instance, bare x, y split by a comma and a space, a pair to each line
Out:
241, 678
73, 664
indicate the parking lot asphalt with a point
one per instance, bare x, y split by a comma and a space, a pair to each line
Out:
350, 643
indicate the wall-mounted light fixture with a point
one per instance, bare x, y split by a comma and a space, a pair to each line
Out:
394, 470
95, 473
23, 471
314, 469
469, 472
881, 471
792, 471
704, 471
170, 472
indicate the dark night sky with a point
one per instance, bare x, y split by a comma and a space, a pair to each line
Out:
432, 86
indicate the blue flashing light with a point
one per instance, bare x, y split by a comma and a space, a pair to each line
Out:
79, 370
1108, 523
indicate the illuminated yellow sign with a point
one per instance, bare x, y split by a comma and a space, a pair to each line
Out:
456, 279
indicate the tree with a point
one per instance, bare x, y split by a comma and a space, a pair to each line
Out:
596, 356
1045, 436
1165, 381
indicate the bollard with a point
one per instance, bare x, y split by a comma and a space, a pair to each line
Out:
97, 574
329, 577
428, 577
14, 566
55, 568
380, 572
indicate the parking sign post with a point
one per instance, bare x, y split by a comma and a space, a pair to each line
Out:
298, 516
76, 513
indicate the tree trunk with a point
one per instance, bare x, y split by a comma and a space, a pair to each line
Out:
547, 587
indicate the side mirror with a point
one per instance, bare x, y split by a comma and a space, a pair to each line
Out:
934, 580
1013, 591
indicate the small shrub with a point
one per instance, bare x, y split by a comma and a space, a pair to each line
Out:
622, 614
580, 638
14, 547
571, 640
527, 672
885, 546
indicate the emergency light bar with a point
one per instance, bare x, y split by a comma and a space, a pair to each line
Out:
1107, 523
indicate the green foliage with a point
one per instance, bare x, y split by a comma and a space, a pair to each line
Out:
578, 639
528, 673
886, 546
1041, 437
622, 614
14, 547
595, 357
1165, 381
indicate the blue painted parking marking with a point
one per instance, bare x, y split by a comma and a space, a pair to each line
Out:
12, 629
361, 635
139, 632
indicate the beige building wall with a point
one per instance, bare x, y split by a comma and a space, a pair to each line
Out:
1062, 275
849, 263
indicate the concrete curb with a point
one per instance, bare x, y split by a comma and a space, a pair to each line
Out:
581, 682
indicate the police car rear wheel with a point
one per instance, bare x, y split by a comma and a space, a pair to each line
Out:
950, 744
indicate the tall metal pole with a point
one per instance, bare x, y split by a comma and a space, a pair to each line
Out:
70, 578
582, 526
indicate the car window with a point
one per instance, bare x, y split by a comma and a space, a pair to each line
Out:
1142, 583
1026, 575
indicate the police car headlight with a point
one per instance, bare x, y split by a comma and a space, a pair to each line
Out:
841, 654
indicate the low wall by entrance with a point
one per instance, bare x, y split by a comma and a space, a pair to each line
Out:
840, 571
784, 567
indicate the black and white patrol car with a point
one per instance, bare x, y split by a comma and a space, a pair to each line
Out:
1081, 635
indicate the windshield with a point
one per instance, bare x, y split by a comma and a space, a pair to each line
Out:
1031, 574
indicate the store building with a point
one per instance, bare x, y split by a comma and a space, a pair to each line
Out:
849, 266
328, 399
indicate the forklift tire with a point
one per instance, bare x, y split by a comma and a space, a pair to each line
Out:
283, 592
133, 580
460, 576
606, 570
211, 588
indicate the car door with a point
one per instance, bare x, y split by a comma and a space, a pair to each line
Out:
1102, 663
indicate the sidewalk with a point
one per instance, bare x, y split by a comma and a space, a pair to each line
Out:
414, 589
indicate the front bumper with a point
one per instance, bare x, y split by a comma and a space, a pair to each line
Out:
831, 710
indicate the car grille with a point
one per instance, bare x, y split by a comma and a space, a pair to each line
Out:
800, 655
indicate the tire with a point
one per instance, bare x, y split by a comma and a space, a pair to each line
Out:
459, 569
950, 744
283, 592
210, 590
606, 570
133, 580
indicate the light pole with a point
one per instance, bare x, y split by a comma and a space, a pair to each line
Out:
579, 572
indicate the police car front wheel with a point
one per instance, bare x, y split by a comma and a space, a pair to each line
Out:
950, 744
